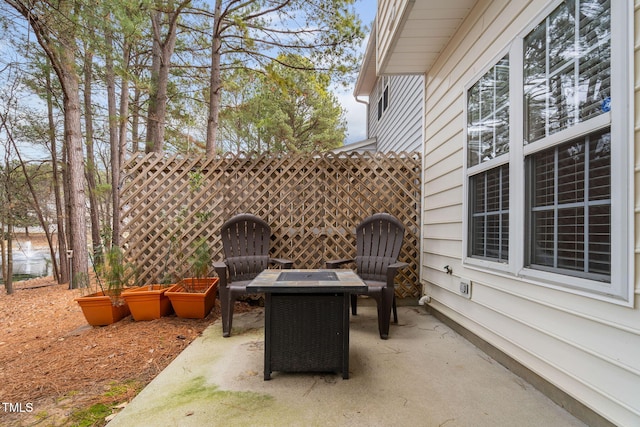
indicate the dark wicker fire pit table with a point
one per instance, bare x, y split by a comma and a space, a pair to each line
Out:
306, 319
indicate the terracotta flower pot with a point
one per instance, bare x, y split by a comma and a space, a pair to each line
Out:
148, 302
193, 298
99, 309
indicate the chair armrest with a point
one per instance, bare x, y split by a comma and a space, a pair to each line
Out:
392, 270
284, 263
338, 262
219, 265
398, 265
221, 270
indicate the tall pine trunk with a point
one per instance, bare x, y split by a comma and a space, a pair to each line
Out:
75, 164
58, 39
122, 144
135, 119
161, 51
91, 163
62, 274
7, 257
157, 101
124, 103
214, 83
113, 141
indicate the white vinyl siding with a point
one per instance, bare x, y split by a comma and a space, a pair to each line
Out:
587, 346
400, 126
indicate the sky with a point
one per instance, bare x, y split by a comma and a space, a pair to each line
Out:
356, 112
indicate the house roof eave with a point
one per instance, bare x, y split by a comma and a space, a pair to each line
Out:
423, 30
367, 75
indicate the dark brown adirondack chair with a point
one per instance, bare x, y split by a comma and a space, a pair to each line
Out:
378, 242
245, 240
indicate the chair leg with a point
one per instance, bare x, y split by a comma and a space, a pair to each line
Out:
228, 323
384, 312
383, 320
395, 310
354, 304
226, 304
232, 303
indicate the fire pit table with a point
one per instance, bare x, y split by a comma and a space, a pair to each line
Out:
306, 319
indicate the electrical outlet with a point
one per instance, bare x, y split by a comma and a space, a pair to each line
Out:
465, 287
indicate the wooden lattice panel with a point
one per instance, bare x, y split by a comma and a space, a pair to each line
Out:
313, 204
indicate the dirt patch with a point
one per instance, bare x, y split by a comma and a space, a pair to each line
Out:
53, 365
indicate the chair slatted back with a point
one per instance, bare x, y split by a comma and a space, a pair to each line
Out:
245, 239
378, 243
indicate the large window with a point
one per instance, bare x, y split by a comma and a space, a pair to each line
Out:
567, 63
547, 157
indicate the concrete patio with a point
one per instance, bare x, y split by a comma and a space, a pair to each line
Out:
424, 375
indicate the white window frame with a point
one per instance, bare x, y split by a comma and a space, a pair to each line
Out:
620, 289
383, 87
482, 167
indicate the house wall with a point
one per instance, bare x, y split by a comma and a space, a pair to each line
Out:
587, 347
390, 12
400, 127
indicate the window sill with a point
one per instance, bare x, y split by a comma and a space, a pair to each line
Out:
599, 291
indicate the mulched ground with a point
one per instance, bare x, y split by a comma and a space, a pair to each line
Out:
54, 365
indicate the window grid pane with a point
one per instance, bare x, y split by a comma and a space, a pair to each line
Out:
489, 193
600, 239
543, 252
488, 115
571, 237
595, 64
571, 173
567, 62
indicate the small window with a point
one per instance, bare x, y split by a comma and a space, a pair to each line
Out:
489, 225
488, 184
383, 95
385, 98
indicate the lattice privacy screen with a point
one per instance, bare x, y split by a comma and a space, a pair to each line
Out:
312, 202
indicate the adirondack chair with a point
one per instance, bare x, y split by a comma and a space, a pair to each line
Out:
378, 242
245, 240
